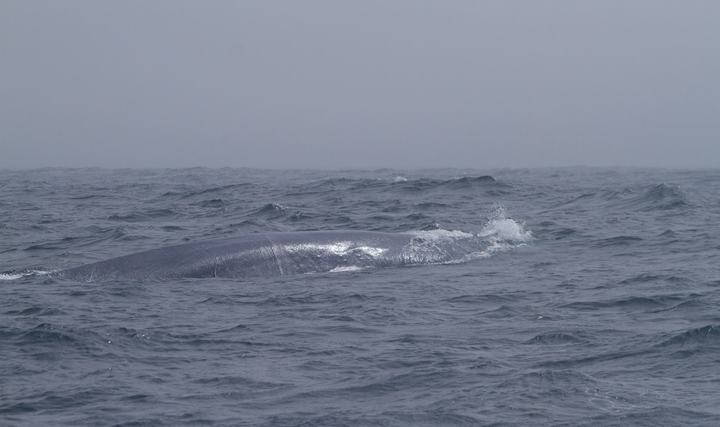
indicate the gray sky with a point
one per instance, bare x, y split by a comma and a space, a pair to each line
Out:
359, 84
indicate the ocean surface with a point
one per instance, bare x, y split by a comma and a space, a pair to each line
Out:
592, 299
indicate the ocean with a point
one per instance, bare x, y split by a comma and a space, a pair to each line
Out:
592, 298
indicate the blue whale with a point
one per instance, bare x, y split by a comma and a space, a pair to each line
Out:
274, 254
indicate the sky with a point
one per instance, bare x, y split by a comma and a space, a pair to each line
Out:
359, 84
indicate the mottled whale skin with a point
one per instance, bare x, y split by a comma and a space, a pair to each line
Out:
273, 254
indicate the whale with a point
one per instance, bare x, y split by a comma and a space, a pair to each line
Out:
280, 253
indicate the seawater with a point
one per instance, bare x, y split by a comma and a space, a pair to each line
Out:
596, 301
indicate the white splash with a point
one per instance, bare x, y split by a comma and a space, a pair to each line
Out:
503, 233
19, 275
341, 269
339, 248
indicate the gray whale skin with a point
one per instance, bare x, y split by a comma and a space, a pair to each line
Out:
273, 254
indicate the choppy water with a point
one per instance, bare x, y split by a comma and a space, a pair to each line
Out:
596, 302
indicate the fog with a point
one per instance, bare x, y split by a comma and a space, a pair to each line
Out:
359, 84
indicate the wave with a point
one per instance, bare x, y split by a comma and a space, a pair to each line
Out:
223, 189
269, 210
618, 241
629, 303
465, 183
708, 336
663, 197
656, 198
143, 216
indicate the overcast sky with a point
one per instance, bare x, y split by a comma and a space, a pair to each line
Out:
359, 84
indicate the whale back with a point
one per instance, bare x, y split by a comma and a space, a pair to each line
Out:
270, 254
